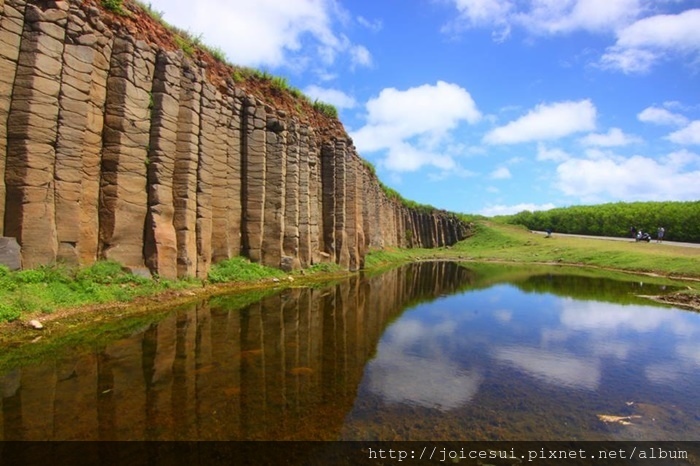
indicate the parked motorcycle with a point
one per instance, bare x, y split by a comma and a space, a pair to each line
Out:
642, 236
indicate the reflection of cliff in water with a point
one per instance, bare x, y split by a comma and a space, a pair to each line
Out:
287, 367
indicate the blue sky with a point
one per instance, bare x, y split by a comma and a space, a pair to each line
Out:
489, 106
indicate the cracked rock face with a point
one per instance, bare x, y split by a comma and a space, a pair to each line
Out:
115, 147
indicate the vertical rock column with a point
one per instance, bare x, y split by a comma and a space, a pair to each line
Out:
370, 200
341, 235
11, 25
328, 211
220, 243
233, 176
123, 194
31, 134
185, 176
304, 198
275, 177
92, 150
315, 200
253, 178
205, 177
353, 165
78, 57
160, 247
292, 224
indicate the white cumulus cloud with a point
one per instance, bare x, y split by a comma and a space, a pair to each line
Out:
501, 173
661, 116
632, 178
544, 17
556, 17
688, 135
267, 32
500, 209
554, 155
331, 96
413, 125
645, 42
546, 121
614, 137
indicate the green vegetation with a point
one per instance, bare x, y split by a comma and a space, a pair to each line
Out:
515, 243
327, 109
681, 220
185, 44
395, 195
148, 8
189, 43
240, 269
494, 241
115, 6
51, 287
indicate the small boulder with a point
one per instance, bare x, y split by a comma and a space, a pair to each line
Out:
10, 253
35, 324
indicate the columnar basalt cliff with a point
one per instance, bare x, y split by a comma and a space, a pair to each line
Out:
115, 144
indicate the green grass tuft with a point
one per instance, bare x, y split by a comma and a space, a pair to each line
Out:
115, 6
240, 269
326, 109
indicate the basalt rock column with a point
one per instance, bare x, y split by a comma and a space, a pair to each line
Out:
11, 25
220, 241
304, 198
74, 97
233, 176
160, 248
123, 194
315, 201
92, 150
275, 177
293, 188
341, 234
208, 152
185, 176
352, 211
328, 199
31, 134
253, 178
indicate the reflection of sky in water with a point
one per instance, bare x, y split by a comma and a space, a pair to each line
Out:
439, 355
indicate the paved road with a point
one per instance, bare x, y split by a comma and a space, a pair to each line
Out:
610, 238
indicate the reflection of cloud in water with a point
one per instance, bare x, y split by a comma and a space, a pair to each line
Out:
429, 379
503, 315
670, 372
431, 383
615, 348
662, 374
592, 315
690, 352
557, 369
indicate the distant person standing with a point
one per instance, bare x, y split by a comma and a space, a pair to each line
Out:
660, 234
633, 232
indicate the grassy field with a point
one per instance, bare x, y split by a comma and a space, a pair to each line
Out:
508, 243
46, 290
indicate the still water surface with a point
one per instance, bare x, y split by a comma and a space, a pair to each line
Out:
426, 352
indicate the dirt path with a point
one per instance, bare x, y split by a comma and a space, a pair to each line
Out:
611, 238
